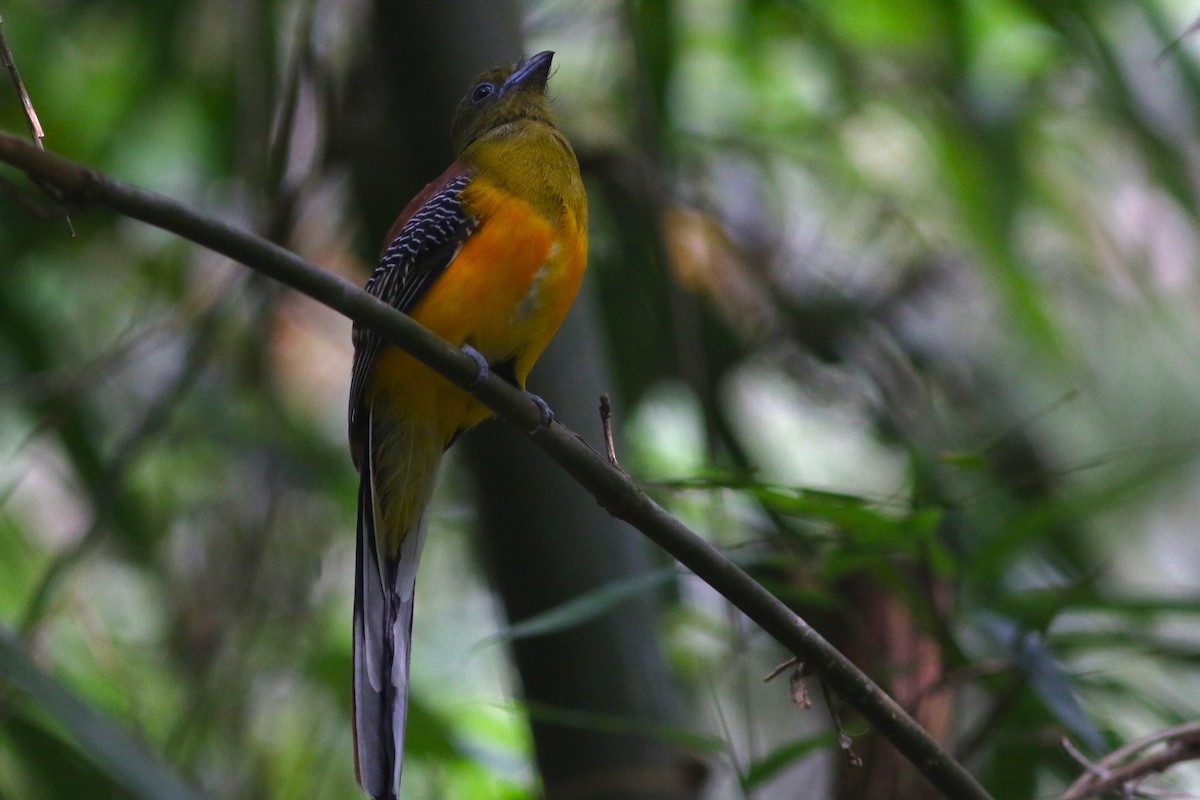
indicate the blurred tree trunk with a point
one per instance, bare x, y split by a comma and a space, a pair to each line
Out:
547, 542
887, 641
544, 539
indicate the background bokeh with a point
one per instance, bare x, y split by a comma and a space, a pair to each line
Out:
897, 300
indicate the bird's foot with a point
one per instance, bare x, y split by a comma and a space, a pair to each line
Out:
547, 414
482, 369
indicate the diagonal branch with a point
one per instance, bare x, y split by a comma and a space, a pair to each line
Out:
1120, 770
613, 489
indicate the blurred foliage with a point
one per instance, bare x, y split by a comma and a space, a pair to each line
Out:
904, 308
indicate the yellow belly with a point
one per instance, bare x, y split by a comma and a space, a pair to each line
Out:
505, 293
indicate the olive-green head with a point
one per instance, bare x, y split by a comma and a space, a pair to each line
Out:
501, 96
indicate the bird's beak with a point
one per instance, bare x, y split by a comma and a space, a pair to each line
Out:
532, 72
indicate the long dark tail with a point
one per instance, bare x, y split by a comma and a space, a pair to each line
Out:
383, 610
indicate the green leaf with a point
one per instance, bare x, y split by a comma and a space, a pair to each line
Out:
611, 723
53, 767
583, 608
99, 739
782, 757
430, 735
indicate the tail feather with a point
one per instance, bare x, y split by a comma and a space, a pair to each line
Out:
397, 471
372, 760
403, 587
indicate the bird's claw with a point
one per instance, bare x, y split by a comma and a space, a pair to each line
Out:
482, 369
547, 415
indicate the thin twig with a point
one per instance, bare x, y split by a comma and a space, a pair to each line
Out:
613, 489
791, 662
1141, 743
6, 58
610, 447
1082, 760
35, 125
1115, 771
844, 740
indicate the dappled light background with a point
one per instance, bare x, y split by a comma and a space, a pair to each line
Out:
896, 301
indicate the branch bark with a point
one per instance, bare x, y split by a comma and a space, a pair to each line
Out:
1120, 771
79, 185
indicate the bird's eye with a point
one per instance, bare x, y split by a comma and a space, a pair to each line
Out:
482, 92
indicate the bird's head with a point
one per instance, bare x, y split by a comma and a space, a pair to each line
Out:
501, 96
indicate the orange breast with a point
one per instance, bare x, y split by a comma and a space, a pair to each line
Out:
505, 294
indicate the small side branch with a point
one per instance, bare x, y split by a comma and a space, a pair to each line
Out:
610, 447
6, 58
1125, 768
31, 117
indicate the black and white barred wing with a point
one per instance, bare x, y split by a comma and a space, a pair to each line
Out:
419, 254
